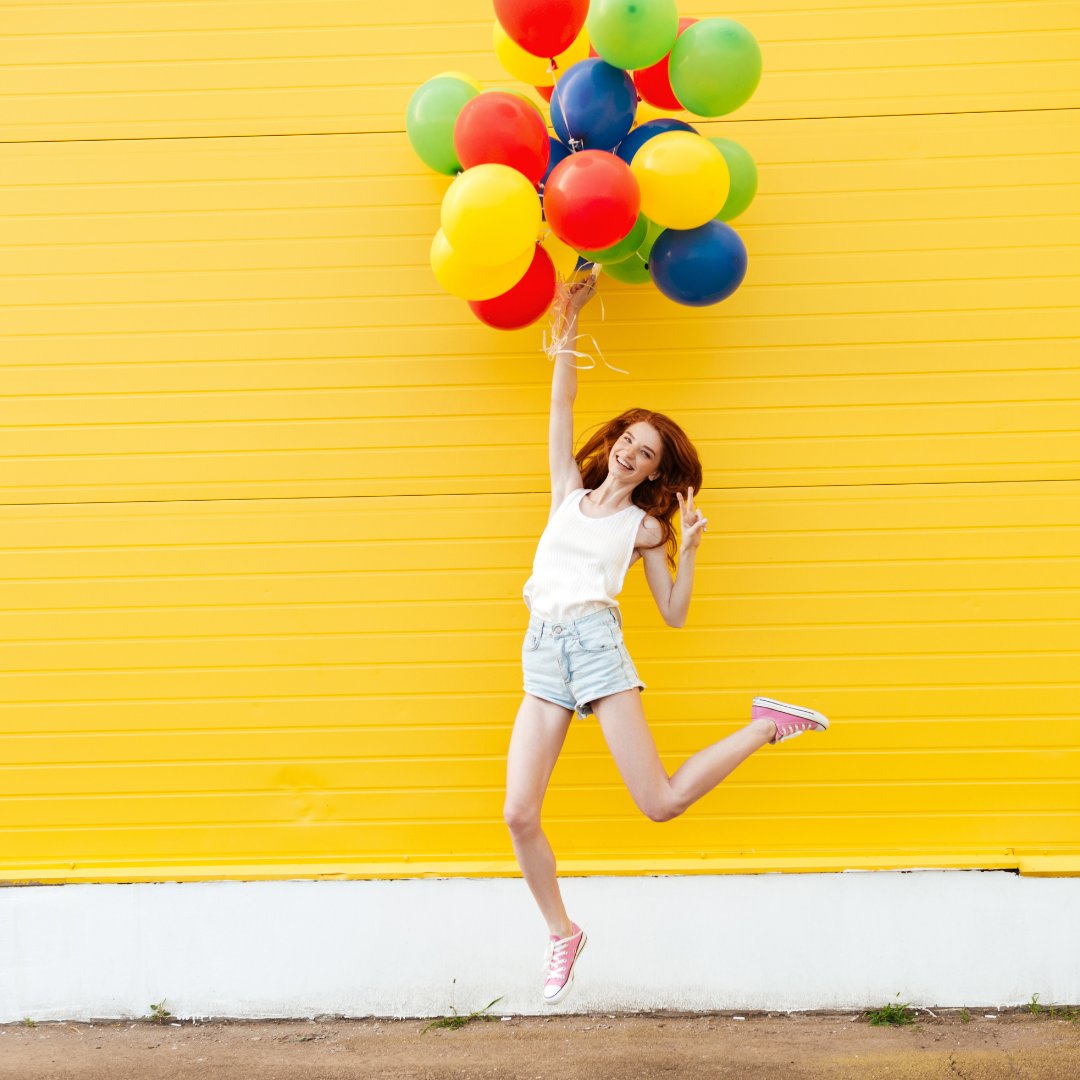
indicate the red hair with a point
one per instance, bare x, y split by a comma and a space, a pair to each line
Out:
679, 468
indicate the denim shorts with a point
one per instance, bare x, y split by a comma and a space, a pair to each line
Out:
577, 662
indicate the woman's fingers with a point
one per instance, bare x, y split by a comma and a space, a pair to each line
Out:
691, 532
581, 292
690, 515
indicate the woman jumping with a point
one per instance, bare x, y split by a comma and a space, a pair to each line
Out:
611, 504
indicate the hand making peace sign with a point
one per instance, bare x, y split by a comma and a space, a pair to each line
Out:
693, 521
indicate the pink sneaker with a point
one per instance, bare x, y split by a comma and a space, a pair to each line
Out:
790, 720
562, 954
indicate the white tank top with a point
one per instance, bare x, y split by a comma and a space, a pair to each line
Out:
581, 562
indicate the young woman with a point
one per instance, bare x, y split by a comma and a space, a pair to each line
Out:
611, 504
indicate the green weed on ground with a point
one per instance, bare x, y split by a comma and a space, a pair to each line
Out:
891, 1015
159, 1014
457, 1021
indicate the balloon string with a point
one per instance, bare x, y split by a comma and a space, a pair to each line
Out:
574, 144
560, 341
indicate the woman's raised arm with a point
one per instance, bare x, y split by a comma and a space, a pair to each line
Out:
565, 476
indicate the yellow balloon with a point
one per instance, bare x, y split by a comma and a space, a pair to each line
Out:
562, 255
491, 213
534, 69
472, 281
683, 179
459, 75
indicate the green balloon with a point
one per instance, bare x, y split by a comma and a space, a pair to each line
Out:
429, 121
632, 34
743, 178
624, 248
632, 271
651, 235
715, 66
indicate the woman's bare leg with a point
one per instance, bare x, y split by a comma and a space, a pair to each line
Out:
538, 736
658, 796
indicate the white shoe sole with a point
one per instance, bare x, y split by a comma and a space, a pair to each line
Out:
793, 710
570, 981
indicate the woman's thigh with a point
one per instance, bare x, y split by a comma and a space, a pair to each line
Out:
538, 736
626, 731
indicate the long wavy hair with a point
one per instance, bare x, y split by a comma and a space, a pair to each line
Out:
679, 469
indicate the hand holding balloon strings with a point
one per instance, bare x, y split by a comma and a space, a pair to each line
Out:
571, 297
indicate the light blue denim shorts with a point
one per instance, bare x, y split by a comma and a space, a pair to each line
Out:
577, 662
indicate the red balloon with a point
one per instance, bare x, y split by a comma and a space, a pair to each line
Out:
591, 200
542, 27
654, 84
525, 302
504, 129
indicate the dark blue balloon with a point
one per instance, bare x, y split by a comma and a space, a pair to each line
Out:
593, 105
649, 130
558, 152
582, 264
698, 266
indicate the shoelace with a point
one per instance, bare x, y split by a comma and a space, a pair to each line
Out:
789, 731
558, 957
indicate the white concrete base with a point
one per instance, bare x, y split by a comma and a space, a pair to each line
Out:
418, 948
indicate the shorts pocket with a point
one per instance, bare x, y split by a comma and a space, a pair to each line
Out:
531, 642
598, 639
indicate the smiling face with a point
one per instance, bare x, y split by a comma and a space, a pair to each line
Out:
636, 454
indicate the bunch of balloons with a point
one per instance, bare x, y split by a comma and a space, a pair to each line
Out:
648, 202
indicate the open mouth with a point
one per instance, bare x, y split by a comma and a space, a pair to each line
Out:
625, 468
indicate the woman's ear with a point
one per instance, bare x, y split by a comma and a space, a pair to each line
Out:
654, 475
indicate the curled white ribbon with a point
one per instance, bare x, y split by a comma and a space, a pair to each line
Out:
560, 329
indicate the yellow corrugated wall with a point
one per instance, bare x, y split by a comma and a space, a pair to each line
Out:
269, 495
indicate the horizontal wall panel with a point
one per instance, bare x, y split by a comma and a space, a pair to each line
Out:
1050, 802
256, 318
210, 687
178, 69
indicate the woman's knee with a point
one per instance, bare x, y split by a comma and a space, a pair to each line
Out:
521, 817
663, 806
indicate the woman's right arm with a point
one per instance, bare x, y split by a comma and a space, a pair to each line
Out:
565, 475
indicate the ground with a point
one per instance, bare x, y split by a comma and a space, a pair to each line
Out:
1015, 1044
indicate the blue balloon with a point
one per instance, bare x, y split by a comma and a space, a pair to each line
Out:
558, 152
649, 130
593, 105
698, 266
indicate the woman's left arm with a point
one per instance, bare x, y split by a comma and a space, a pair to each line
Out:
673, 597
